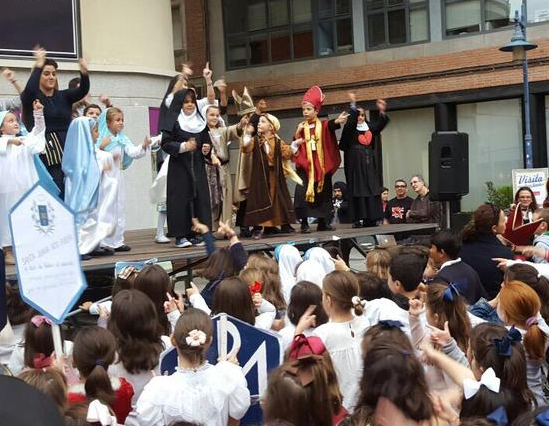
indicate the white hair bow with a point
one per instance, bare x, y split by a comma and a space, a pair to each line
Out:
488, 379
99, 413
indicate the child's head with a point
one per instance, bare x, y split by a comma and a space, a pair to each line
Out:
493, 346
219, 265
529, 275
250, 276
49, 381
115, 120
212, 115
488, 219
92, 111
299, 393
38, 342
9, 125
445, 245
18, 311
267, 125
155, 282
372, 287
386, 332
406, 273
340, 293
272, 288
519, 305
134, 324
542, 214
93, 352
378, 262
189, 102
232, 296
303, 295
485, 402
395, 373
537, 417
309, 111
443, 303
193, 335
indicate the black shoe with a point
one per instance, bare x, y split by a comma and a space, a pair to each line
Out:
287, 229
245, 232
270, 230
305, 229
257, 234
323, 227
123, 247
102, 251
85, 257
357, 224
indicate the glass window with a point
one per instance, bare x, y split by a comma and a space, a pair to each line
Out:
470, 16
344, 35
266, 31
303, 43
280, 46
177, 28
278, 12
495, 145
405, 146
394, 22
538, 10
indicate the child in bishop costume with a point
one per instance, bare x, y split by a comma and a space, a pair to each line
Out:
317, 160
113, 139
18, 172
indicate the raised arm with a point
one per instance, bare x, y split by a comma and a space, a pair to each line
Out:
78, 93
210, 93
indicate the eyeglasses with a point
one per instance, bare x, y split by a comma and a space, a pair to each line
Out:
400, 186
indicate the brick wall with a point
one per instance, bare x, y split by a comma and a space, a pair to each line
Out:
195, 25
471, 69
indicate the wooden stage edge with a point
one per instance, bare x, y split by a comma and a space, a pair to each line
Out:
144, 247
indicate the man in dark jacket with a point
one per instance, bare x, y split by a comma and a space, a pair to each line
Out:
445, 247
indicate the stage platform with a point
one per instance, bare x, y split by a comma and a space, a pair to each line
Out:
144, 247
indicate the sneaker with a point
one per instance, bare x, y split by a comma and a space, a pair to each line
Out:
182, 243
197, 242
161, 239
257, 234
245, 232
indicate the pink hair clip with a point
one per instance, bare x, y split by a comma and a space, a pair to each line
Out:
38, 320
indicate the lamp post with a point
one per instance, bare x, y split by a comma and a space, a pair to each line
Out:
518, 46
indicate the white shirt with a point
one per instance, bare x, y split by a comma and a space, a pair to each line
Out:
208, 396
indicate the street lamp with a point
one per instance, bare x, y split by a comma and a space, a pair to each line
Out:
519, 46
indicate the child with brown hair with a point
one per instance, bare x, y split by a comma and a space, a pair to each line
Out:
94, 351
113, 139
211, 395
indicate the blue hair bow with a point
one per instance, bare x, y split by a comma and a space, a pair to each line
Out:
543, 418
499, 416
391, 324
503, 345
451, 292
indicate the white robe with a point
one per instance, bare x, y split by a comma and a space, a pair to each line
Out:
17, 172
100, 223
116, 238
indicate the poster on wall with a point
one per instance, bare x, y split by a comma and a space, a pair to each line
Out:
535, 179
52, 24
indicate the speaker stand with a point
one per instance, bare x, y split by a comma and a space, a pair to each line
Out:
447, 209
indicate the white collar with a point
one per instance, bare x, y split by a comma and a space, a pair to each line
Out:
363, 127
450, 262
193, 123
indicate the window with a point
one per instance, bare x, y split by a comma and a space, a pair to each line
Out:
473, 16
178, 31
269, 31
394, 22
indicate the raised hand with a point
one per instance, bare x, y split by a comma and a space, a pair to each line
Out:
104, 99
352, 97
416, 307
83, 65
198, 227
9, 75
174, 303
192, 291
340, 264
224, 228
342, 118
37, 105
40, 55
207, 73
306, 321
440, 337
381, 105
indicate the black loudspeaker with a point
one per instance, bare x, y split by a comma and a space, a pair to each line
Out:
448, 166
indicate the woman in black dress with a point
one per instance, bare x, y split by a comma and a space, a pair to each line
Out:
43, 85
364, 185
187, 186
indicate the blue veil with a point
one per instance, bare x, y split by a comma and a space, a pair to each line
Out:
82, 174
119, 140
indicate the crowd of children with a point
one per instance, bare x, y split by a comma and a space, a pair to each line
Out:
450, 333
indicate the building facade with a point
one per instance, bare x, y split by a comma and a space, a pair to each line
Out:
129, 49
436, 62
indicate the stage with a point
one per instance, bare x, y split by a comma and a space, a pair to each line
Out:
144, 247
